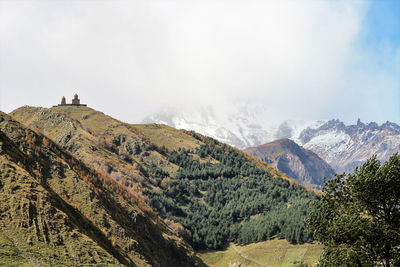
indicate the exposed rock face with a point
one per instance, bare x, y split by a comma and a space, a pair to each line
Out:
301, 164
54, 210
346, 147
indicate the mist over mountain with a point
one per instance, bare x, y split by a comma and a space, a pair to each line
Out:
240, 126
342, 146
246, 107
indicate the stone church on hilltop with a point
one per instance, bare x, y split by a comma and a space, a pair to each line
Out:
75, 102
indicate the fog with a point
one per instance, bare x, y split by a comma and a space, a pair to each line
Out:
294, 59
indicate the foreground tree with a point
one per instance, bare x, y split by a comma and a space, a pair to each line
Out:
358, 216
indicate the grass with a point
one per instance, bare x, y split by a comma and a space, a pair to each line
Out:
272, 253
22, 244
222, 258
9, 254
171, 138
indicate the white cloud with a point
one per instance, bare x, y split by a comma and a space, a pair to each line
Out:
127, 58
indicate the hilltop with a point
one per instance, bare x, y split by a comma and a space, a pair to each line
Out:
56, 210
208, 192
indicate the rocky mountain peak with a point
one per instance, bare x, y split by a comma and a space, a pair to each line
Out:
301, 164
345, 147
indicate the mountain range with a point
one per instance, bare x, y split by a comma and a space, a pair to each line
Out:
344, 147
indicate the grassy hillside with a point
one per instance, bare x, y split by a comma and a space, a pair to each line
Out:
272, 253
57, 211
207, 192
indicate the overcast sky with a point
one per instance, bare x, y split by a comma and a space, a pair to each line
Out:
301, 59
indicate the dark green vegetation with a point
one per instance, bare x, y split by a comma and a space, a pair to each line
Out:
54, 210
207, 192
358, 217
230, 200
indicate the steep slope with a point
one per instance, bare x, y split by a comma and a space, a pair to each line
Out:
34, 228
56, 210
208, 192
103, 143
346, 147
301, 164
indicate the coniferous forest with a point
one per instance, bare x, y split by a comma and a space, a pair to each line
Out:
221, 196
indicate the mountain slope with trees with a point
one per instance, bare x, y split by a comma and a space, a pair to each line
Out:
208, 192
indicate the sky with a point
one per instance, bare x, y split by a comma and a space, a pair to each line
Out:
307, 60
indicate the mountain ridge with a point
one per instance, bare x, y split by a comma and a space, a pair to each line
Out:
301, 164
344, 147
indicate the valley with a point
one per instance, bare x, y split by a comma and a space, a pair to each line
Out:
200, 133
111, 180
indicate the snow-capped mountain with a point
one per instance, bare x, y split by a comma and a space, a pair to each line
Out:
343, 147
203, 121
244, 127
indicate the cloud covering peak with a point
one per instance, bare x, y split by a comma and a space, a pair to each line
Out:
297, 59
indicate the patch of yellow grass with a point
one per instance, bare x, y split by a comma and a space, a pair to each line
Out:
222, 258
268, 253
171, 138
